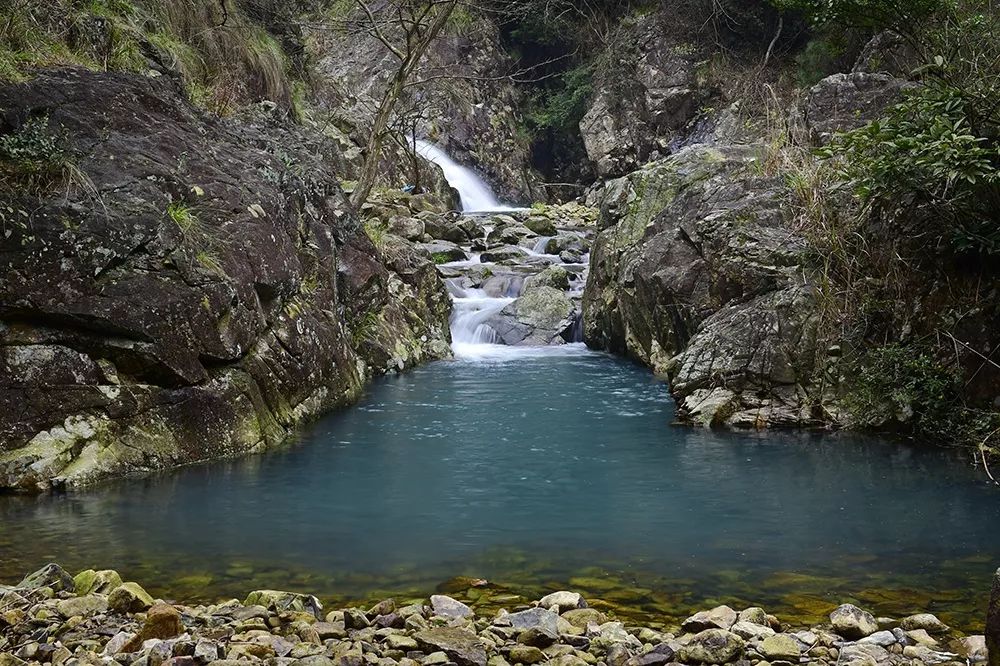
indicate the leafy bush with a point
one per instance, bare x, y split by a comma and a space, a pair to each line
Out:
818, 59
908, 387
873, 15
926, 157
900, 384
33, 155
932, 164
562, 106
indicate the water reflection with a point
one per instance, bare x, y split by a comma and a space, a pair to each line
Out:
537, 472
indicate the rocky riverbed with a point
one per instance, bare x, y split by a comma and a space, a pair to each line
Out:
94, 617
516, 277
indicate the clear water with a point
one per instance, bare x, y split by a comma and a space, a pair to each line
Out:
539, 470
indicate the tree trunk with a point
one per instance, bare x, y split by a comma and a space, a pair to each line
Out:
993, 622
411, 60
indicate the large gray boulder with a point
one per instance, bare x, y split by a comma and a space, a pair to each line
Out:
699, 274
542, 316
843, 102
645, 95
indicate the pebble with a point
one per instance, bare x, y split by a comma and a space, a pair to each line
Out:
274, 628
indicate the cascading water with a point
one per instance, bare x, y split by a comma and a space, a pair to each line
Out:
477, 311
476, 196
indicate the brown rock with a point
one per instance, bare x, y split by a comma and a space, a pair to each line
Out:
162, 621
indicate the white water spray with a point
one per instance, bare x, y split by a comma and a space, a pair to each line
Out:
476, 196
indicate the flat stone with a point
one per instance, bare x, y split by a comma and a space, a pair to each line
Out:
863, 654
883, 638
751, 630
720, 617
920, 637
462, 646
445, 606
539, 637
82, 606
563, 601
780, 647
532, 618
852, 622
327, 630
927, 655
581, 617
401, 642
526, 654
926, 621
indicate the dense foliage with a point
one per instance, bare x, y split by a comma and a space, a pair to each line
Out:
933, 163
227, 53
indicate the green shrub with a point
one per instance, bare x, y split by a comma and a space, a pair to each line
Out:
908, 387
818, 59
926, 162
900, 384
34, 156
931, 166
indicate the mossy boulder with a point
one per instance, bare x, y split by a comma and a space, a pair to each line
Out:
129, 598
96, 582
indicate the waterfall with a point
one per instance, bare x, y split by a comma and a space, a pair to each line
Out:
475, 194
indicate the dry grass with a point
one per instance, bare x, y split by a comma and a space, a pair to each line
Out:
225, 59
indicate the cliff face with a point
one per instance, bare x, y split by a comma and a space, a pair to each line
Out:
698, 275
736, 262
176, 287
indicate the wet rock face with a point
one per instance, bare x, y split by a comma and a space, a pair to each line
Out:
698, 275
512, 284
189, 288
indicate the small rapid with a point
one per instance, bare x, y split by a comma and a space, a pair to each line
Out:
504, 258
